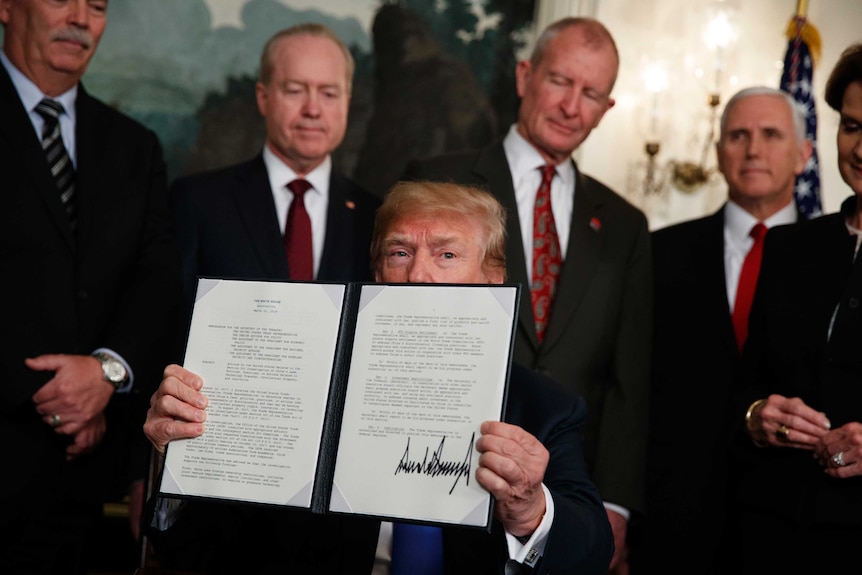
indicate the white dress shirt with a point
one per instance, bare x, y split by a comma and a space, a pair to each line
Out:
316, 199
31, 95
524, 163
738, 241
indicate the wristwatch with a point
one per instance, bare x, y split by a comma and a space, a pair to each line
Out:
113, 369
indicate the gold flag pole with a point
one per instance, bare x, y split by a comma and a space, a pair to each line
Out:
801, 8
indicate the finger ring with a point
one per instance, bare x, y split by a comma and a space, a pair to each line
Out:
55, 421
782, 432
838, 459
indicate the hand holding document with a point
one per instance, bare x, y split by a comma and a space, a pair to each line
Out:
347, 398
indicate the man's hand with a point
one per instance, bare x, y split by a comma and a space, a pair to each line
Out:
176, 408
512, 466
619, 527
77, 394
87, 438
786, 422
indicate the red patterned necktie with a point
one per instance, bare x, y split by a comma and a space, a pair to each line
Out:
547, 258
747, 283
297, 234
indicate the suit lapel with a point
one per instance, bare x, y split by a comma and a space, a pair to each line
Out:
492, 167
582, 255
339, 229
714, 285
252, 197
17, 130
91, 187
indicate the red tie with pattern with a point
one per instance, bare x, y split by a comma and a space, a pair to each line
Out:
547, 258
747, 283
297, 234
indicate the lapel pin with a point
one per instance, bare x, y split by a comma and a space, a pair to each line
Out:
596, 224
350, 205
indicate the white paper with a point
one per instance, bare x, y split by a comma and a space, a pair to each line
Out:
420, 385
265, 351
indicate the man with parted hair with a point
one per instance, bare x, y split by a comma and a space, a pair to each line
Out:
579, 249
703, 289
286, 213
548, 516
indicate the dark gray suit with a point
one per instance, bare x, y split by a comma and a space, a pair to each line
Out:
113, 282
598, 338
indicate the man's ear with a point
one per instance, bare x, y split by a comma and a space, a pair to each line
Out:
522, 76
805, 151
495, 275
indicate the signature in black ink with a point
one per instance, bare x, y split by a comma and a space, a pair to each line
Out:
436, 465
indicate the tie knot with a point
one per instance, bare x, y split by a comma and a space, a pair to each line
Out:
758, 231
50, 110
299, 187
548, 172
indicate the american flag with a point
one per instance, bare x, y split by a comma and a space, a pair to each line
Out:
797, 80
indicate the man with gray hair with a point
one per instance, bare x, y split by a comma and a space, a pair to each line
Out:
705, 272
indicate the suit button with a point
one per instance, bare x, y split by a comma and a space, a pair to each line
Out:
853, 302
83, 295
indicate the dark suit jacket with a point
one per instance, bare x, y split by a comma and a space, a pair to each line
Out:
113, 283
695, 361
806, 271
244, 539
598, 338
227, 227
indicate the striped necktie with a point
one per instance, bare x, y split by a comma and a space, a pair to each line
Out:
58, 158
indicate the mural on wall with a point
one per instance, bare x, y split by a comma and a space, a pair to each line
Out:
430, 76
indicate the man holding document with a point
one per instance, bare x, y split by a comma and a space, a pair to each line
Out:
548, 516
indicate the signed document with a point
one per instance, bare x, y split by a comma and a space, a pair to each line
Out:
346, 397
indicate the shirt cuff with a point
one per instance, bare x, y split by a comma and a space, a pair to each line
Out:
528, 553
618, 509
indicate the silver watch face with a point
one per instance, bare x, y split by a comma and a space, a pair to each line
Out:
114, 371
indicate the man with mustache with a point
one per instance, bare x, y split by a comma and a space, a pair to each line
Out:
586, 323
92, 284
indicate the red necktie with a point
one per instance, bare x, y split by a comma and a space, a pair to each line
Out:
547, 258
297, 234
747, 283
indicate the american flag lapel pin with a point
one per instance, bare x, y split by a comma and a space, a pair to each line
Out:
595, 224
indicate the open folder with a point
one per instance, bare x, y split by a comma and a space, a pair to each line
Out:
346, 397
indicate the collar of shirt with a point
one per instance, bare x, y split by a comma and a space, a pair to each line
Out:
737, 239
316, 200
524, 163
31, 95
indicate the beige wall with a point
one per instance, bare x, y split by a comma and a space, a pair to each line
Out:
671, 30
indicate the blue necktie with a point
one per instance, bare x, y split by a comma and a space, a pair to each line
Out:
416, 550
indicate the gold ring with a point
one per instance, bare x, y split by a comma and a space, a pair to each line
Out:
55, 421
782, 432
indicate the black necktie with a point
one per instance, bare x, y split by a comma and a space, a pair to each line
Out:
57, 156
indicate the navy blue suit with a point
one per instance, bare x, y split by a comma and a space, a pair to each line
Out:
234, 538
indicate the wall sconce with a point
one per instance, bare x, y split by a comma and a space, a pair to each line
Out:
719, 35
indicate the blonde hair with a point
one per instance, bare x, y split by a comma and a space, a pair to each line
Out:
444, 200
